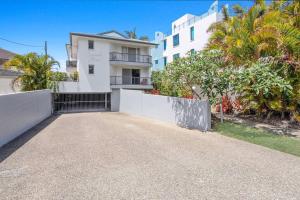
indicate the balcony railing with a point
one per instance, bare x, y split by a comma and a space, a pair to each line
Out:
130, 80
125, 57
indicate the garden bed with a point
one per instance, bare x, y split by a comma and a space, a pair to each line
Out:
258, 136
275, 125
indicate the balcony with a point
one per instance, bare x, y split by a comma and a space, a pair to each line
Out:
71, 66
117, 58
131, 82
71, 63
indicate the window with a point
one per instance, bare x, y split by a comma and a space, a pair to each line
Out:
175, 56
91, 44
165, 61
192, 51
91, 69
165, 44
192, 33
175, 40
156, 62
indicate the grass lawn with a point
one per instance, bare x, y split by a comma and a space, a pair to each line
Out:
261, 137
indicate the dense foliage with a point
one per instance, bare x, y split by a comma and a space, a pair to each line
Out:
261, 31
74, 76
254, 56
36, 71
59, 76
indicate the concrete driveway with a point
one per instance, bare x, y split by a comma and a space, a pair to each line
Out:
116, 156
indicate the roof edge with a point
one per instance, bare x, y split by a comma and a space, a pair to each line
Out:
111, 38
112, 31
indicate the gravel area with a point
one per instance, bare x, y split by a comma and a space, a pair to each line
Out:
117, 156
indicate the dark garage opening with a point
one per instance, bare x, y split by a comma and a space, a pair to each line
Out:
81, 102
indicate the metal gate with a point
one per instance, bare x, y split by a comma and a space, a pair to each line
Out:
81, 102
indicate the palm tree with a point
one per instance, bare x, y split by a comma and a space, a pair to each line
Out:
264, 31
132, 35
36, 71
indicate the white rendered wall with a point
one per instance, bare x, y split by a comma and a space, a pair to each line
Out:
186, 113
103, 69
68, 87
99, 57
201, 37
21, 111
6, 85
115, 100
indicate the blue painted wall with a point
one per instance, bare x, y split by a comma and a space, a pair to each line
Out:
157, 52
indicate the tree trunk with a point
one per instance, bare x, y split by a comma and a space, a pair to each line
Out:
292, 119
282, 115
269, 115
221, 111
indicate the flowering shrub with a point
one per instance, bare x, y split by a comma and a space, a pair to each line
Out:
154, 92
237, 106
226, 105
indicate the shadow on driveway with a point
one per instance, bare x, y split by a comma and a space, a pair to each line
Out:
11, 147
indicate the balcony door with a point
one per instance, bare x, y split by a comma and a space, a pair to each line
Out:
136, 76
130, 76
132, 54
126, 76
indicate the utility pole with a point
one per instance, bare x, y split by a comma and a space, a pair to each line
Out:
46, 50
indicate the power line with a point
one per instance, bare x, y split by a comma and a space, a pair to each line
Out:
19, 43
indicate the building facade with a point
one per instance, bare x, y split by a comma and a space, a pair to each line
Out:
105, 63
189, 33
7, 76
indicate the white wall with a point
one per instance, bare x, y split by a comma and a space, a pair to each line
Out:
103, 68
6, 85
21, 111
187, 113
99, 57
115, 100
68, 87
201, 37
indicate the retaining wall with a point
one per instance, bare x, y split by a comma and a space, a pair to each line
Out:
188, 113
21, 111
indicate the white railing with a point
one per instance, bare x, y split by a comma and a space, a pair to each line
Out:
191, 21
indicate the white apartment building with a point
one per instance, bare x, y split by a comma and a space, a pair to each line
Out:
189, 33
105, 63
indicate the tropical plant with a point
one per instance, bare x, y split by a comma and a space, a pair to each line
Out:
269, 32
156, 79
132, 35
261, 88
59, 76
199, 74
262, 31
74, 76
36, 71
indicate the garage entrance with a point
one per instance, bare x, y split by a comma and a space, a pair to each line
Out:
81, 102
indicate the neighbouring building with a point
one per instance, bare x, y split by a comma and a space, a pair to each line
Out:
7, 76
189, 33
105, 63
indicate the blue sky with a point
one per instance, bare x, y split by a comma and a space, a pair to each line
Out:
33, 22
